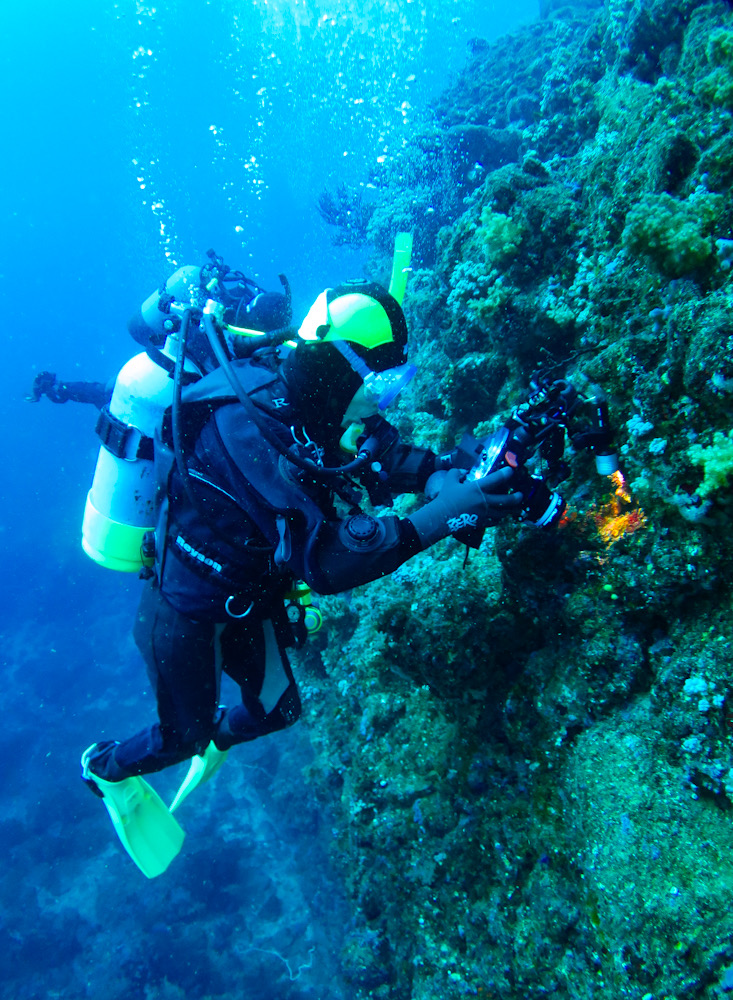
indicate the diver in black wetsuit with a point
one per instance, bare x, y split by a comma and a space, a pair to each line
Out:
257, 498
243, 522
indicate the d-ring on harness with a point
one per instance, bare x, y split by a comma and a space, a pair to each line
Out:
233, 597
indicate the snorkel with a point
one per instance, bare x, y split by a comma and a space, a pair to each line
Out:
400, 266
381, 387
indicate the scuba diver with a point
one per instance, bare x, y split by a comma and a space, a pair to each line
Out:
233, 468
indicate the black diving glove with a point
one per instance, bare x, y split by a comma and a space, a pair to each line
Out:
46, 384
462, 504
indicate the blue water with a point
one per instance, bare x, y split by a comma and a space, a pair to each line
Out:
135, 138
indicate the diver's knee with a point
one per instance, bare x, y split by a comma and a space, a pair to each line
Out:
288, 708
191, 741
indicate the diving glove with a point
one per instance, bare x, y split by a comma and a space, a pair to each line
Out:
46, 384
462, 504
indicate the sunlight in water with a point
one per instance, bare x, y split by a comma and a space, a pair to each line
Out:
334, 88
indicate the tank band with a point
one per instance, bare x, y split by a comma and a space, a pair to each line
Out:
123, 440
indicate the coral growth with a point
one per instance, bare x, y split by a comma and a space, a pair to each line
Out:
347, 213
539, 741
671, 232
716, 460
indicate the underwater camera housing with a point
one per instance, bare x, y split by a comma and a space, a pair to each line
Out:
543, 507
539, 427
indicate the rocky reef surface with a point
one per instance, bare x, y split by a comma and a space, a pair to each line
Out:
530, 754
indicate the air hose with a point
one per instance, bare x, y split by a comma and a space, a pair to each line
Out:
177, 433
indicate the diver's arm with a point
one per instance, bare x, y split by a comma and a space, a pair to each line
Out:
96, 393
408, 467
360, 548
343, 556
57, 391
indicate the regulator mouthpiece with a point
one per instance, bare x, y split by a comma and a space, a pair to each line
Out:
382, 387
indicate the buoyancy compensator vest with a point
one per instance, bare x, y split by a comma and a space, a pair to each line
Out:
121, 507
217, 534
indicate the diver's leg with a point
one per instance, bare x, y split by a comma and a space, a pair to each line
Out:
253, 654
180, 656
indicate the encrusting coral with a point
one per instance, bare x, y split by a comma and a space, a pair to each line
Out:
531, 752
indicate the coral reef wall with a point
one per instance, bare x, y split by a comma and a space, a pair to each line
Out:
531, 754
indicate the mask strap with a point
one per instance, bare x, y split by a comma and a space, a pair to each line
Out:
357, 363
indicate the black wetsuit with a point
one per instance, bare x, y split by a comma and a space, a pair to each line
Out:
227, 558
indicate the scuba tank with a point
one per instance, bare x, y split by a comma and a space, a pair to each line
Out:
121, 505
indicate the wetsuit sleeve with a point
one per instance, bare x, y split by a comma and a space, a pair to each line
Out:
408, 468
335, 561
96, 393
